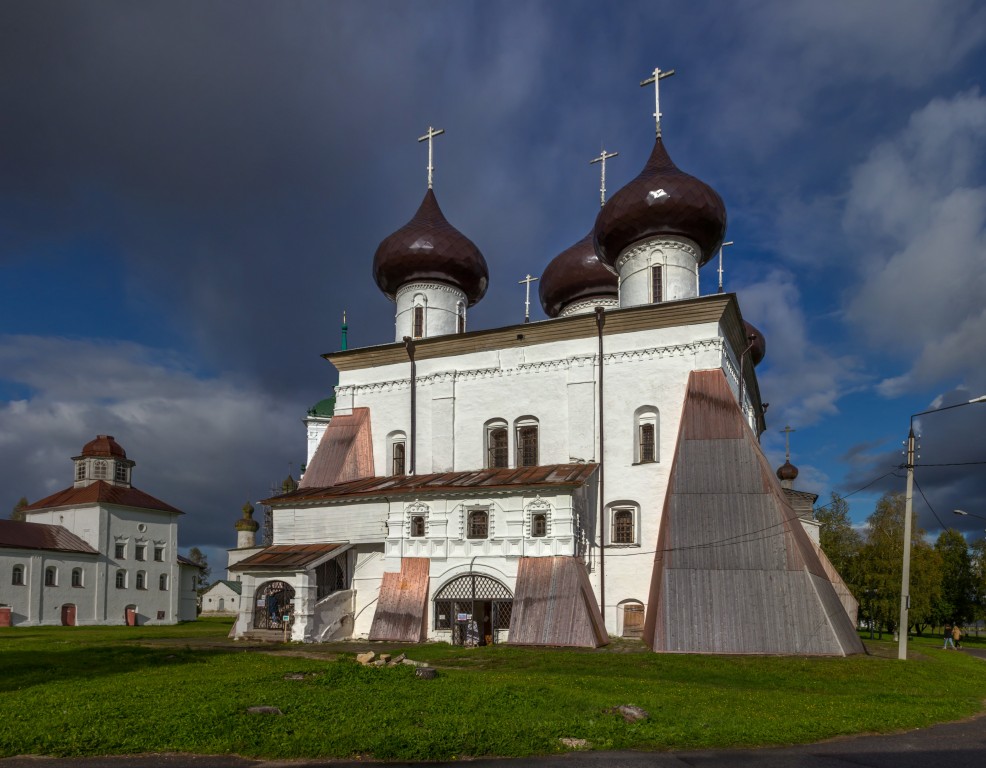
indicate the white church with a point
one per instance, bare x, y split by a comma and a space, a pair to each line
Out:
559, 482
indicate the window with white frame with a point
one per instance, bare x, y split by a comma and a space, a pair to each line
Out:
526, 431
17, 576
51, 576
121, 472
162, 582
538, 518
120, 550
397, 448
140, 552
647, 428
624, 524
416, 516
497, 444
539, 525
141, 580
77, 577
99, 469
159, 554
121, 579
80, 470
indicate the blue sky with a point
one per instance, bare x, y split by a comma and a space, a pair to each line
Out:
191, 193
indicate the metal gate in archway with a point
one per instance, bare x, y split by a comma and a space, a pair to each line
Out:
474, 607
273, 601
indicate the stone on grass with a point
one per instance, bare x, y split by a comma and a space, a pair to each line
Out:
630, 713
426, 673
294, 676
378, 663
366, 658
264, 711
413, 663
399, 659
384, 657
575, 743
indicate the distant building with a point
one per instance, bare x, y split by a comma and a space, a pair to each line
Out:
222, 598
98, 552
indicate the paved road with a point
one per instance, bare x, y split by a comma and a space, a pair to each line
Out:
951, 745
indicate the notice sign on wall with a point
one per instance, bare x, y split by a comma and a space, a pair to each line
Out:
463, 616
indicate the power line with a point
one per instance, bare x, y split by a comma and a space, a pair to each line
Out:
918, 486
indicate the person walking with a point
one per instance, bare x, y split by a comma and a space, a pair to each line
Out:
956, 635
948, 638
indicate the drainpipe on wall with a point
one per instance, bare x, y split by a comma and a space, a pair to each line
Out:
409, 345
600, 321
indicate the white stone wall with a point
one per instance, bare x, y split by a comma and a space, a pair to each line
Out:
441, 303
33, 603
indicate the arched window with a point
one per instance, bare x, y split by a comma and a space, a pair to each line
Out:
478, 524
624, 523
647, 423
419, 322
162, 582
657, 284
460, 317
141, 580
80, 470
51, 576
539, 525
99, 470
417, 526
77, 577
17, 576
121, 579
497, 444
527, 442
397, 448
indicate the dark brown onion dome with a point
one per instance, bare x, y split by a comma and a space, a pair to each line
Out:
103, 445
759, 348
429, 248
576, 273
787, 471
687, 208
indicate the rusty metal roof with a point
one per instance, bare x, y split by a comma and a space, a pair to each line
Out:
102, 492
18, 535
344, 453
285, 556
403, 604
549, 475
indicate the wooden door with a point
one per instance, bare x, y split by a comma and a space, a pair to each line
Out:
68, 615
131, 616
633, 620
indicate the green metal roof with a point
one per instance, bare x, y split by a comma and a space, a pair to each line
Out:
323, 408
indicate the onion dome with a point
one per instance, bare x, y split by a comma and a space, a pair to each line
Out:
662, 200
289, 485
759, 348
429, 248
103, 445
787, 471
247, 523
576, 273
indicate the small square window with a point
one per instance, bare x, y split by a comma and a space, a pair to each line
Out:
478, 525
159, 554
141, 552
121, 551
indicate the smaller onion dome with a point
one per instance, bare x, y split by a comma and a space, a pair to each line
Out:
787, 471
662, 200
247, 523
103, 445
429, 248
576, 273
759, 348
323, 408
289, 484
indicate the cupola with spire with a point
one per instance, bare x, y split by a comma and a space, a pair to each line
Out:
758, 344
430, 269
103, 459
660, 228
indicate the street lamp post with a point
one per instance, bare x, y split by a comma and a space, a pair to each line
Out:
905, 580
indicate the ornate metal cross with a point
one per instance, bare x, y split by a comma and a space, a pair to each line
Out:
656, 78
527, 300
603, 157
432, 133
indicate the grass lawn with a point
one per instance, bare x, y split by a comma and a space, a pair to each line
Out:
115, 690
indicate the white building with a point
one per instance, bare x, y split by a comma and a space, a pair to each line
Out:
552, 482
98, 552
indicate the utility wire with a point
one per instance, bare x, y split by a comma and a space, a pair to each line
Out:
918, 486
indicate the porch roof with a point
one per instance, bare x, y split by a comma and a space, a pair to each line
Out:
285, 556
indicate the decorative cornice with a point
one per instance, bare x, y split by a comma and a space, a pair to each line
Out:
577, 307
676, 243
422, 286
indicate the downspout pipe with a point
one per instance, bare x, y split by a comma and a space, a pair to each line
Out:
409, 346
600, 321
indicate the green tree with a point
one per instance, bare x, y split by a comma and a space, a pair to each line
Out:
198, 557
957, 591
18, 511
840, 542
881, 562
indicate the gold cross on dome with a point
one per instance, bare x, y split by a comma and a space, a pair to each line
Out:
432, 133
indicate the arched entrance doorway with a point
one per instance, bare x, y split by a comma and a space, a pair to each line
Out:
474, 607
273, 601
68, 615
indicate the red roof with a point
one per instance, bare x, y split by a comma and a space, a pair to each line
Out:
103, 445
102, 492
445, 482
285, 556
18, 535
